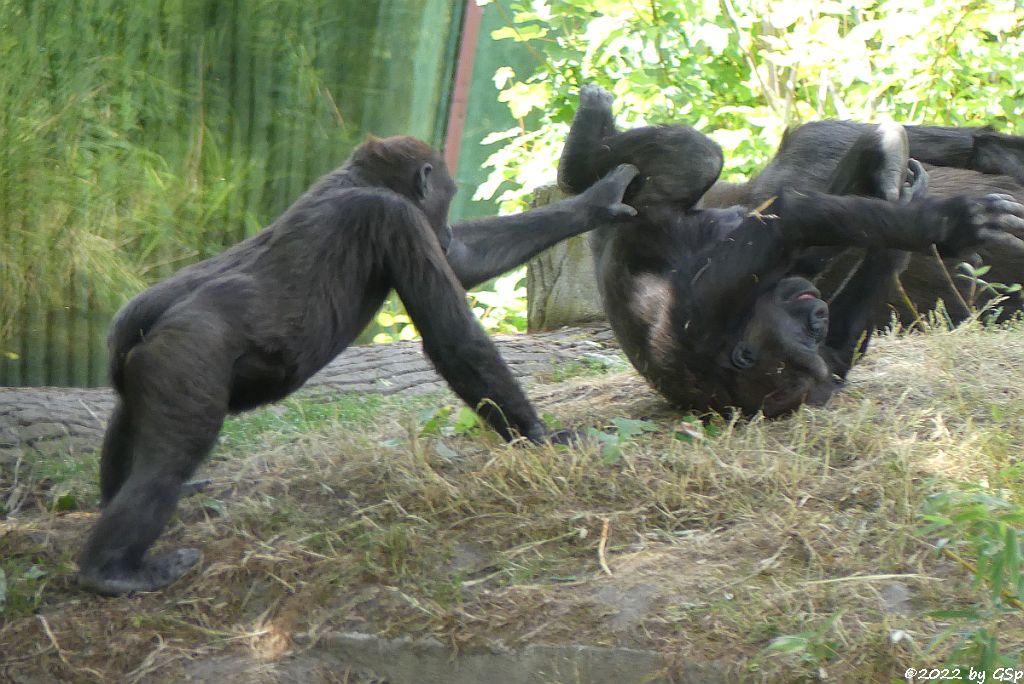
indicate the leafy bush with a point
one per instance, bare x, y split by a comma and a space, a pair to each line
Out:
982, 530
743, 70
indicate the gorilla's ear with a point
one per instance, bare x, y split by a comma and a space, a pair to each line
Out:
422, 182
743, 356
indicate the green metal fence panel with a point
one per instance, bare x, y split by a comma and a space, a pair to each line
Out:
139, 136
485, 114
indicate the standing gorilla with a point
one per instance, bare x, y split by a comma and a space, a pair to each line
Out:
251, 325
709, 304
958, 160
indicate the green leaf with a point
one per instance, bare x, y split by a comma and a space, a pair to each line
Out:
466, 421
35, 572
446, 452
65, 502
1012, 556
432, 421
611, 454
523, 33
628, 428
788, 644
524, 97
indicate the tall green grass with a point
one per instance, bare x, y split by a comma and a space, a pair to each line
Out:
137, 137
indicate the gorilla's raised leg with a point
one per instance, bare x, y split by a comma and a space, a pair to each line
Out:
876, 165
593, 123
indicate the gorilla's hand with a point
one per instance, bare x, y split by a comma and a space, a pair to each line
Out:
967, 222
603, 200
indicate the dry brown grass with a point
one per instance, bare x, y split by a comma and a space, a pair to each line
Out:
714, 547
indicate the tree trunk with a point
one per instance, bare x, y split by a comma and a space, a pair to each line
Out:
560, 285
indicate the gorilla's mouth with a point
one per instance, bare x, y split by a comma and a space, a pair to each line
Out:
808, 294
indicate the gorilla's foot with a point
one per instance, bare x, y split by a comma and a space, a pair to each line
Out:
156, 572
892, 167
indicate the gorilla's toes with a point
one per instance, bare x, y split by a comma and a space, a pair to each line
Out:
168, 567
916, 183
156, 572
595, 96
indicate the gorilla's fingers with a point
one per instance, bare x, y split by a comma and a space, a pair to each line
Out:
606, 194
1003, 204
1004, 197
564, 437
1011, 224
1001, 239
1000, 212
625, 173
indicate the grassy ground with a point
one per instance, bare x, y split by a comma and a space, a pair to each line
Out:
391, 517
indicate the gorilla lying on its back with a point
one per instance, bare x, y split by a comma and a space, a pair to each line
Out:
709, 305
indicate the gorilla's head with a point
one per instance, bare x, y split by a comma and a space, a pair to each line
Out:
775, 363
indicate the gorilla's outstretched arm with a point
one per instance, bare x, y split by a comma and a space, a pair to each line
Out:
482, 249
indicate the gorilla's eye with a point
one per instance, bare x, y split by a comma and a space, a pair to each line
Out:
743, 357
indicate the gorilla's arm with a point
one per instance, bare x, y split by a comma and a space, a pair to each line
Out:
854, 309
762, 247
481, 249
453, 340
953, 224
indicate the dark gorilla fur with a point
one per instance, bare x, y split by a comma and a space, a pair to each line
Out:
709, 305
251, 325
958, 161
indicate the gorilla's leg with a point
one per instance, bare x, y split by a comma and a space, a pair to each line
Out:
577, 169
876, 165
177, 385
999, 153
116, 455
